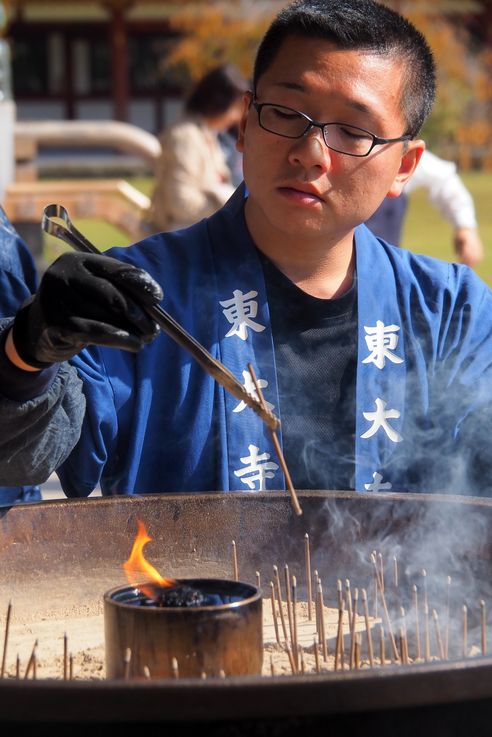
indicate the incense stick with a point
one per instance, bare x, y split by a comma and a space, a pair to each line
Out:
339, 640
370, 650
316, 604
339, 593
65, 657
235, 571
426, 617
322, 622
6, 638
288, 650
301, 657
175, 667
440, 647
483, 627
274, 612
30, 662
375, 611
127, 659
316, 655
353, 624
427, 653
357, 651
417, 625
381, 571
465, 631
385, 609
446, 635
424, 579
348, 597
404, 639
309, 583
290, 486
288, 596
280, 606
295, 645
403, 658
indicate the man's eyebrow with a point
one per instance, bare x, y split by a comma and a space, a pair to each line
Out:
355, 104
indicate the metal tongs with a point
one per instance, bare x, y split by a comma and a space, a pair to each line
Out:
66, 231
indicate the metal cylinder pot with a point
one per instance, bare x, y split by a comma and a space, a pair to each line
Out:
208, 639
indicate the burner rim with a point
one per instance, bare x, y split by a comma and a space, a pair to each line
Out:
254, 596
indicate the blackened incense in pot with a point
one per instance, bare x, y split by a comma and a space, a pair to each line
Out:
180, 596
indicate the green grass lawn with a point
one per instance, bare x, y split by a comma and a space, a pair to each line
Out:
425, 231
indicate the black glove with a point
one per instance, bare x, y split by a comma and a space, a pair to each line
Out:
86, 299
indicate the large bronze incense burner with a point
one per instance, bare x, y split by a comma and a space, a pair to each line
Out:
58, 559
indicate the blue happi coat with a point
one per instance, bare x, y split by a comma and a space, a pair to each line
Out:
18, 280
155, 422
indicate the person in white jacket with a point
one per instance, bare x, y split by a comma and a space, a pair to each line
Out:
451, 198
193, 179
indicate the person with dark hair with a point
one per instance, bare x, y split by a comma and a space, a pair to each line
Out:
448, 194
18, 281
193, 178
377, 361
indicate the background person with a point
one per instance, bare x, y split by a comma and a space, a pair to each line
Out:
192, 176
449, 196
378, 360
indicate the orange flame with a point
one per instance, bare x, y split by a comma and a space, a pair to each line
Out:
137, 566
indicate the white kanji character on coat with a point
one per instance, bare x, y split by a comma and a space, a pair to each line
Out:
381, 341
249, 385
378, 484
238, 311
379, 419
259, 468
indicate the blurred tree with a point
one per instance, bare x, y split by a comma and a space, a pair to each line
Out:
460, 126
211, 36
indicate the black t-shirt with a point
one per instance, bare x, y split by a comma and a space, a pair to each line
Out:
316, 354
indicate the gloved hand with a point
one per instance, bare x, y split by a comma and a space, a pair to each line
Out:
85, 299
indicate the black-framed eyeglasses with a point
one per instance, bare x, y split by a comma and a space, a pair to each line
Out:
340, 137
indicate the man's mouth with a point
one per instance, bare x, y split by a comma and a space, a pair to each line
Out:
301, 194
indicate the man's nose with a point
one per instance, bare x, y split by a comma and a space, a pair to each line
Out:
311, 150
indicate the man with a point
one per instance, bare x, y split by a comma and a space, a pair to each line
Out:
378, 361
18, 280
448, 194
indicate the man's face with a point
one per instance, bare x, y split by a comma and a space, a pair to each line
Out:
299, 186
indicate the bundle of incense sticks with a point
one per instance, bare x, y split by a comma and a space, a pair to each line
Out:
338, 626
407, 634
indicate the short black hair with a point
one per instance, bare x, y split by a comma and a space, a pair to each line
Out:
360, 25
217, 91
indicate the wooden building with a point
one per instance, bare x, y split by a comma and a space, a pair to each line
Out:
103, 59
94, 59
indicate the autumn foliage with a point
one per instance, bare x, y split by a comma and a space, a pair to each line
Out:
460, 126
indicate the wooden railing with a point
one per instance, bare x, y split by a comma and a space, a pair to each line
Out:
123, 137
115, 201
112, 200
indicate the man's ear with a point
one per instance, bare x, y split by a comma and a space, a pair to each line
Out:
408, 164
247, 99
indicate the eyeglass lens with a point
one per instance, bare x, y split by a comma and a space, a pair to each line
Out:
291, 124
